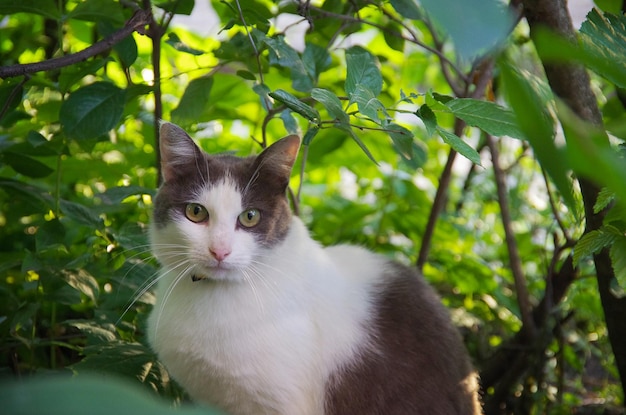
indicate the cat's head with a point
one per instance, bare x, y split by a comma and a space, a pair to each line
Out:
215, 214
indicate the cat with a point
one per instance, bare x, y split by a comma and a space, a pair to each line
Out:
254, 317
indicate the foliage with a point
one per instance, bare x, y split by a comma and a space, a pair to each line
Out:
384, 101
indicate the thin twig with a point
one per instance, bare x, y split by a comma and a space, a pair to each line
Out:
555, 211
137, 22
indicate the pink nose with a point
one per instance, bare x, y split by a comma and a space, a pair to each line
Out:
219, 253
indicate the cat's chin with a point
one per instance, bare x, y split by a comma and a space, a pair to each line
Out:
214, 274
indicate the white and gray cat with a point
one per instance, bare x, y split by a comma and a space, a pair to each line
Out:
255, 317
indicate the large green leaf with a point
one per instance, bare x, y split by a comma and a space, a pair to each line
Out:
590, 153
282, 54
92, 110
465, 22
601, 46
604, 39
98, 10
84, 394
362, 69
45, 8
25, 165
316, 59
538, 128
194, 102
488, 116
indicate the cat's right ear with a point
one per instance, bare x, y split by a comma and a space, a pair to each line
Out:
176, 148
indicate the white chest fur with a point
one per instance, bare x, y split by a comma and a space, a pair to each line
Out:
267, 343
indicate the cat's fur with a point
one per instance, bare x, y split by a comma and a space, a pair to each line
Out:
263, 320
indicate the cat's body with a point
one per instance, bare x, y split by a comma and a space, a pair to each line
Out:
255, 317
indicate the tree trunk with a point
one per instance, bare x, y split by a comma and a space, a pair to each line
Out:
571, 83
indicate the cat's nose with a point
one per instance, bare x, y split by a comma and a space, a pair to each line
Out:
219, 253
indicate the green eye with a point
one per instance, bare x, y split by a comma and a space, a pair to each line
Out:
250, 218
196, 212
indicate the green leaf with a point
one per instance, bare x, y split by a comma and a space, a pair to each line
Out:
537, 126
488, 116
402, 140
71, 75
282, 54
126, 49
264, 93
459, 145
603, 37
465, 23
184, 7
83, 282
92, 110
592, 242
50, 235
290, 123
247, 75
116, 195
368, 104
590, 153
296, 105
429, 119
602, 46
81, 214
605, 197
347, 128
174, 41
408, 8
316, 60
331, 102
98, 10
25, 165
95, 331
362, 69
310, 135
618, 259
393, 36
44, 8
10, 89
194, 102
79, 395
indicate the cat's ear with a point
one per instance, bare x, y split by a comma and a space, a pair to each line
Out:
280, 157
177, 149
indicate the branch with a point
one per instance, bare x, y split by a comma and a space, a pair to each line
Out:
483, 78
135, 23
521, 290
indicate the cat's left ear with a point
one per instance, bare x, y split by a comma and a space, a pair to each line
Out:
280, 157
177, 149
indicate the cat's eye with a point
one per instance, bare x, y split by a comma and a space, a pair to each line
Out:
196, 212
250, 218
